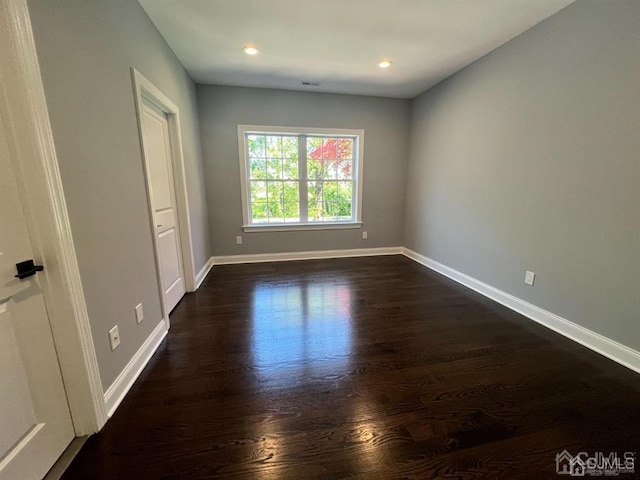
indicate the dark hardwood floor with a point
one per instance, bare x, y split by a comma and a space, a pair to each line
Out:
372, 368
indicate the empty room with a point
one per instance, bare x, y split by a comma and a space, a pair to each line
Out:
296, 239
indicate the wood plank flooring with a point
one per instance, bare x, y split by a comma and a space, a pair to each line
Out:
371, 368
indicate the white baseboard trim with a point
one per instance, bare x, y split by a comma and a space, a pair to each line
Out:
598, 343
121, 386
204, 271
289, 256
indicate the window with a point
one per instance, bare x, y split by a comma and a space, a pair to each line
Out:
296, 178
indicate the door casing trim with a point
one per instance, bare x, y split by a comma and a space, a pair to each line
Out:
28, 133
146, 91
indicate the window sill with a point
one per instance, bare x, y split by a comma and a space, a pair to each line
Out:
301, 226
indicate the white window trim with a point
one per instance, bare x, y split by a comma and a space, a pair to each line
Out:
282, 227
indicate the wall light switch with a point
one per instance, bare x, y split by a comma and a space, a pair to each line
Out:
114, 338
529, 277
139, 313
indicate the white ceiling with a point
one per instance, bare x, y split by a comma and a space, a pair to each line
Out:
338, 43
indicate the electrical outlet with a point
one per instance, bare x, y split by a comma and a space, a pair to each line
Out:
114, 338
139, 313
529, 277
365, 235
239, 240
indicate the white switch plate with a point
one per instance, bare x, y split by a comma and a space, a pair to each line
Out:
114, 338
365, 235
239, 240
529, 277
139, 313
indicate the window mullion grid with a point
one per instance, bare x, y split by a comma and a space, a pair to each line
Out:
302, 176
266, 178
247, 177
282, 204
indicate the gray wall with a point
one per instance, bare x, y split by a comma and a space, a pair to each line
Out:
386, 125
530, 159
86, 49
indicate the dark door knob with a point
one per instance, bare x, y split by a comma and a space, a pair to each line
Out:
27, 268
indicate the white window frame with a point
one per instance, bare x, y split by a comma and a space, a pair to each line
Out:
358, 158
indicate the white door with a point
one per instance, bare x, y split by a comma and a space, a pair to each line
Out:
35, 423
157, 147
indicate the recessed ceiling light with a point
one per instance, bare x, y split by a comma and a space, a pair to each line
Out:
385, 63
250, 50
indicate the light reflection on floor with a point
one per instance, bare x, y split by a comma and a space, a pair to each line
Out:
301, 331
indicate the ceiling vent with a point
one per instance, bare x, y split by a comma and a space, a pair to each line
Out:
310, 84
